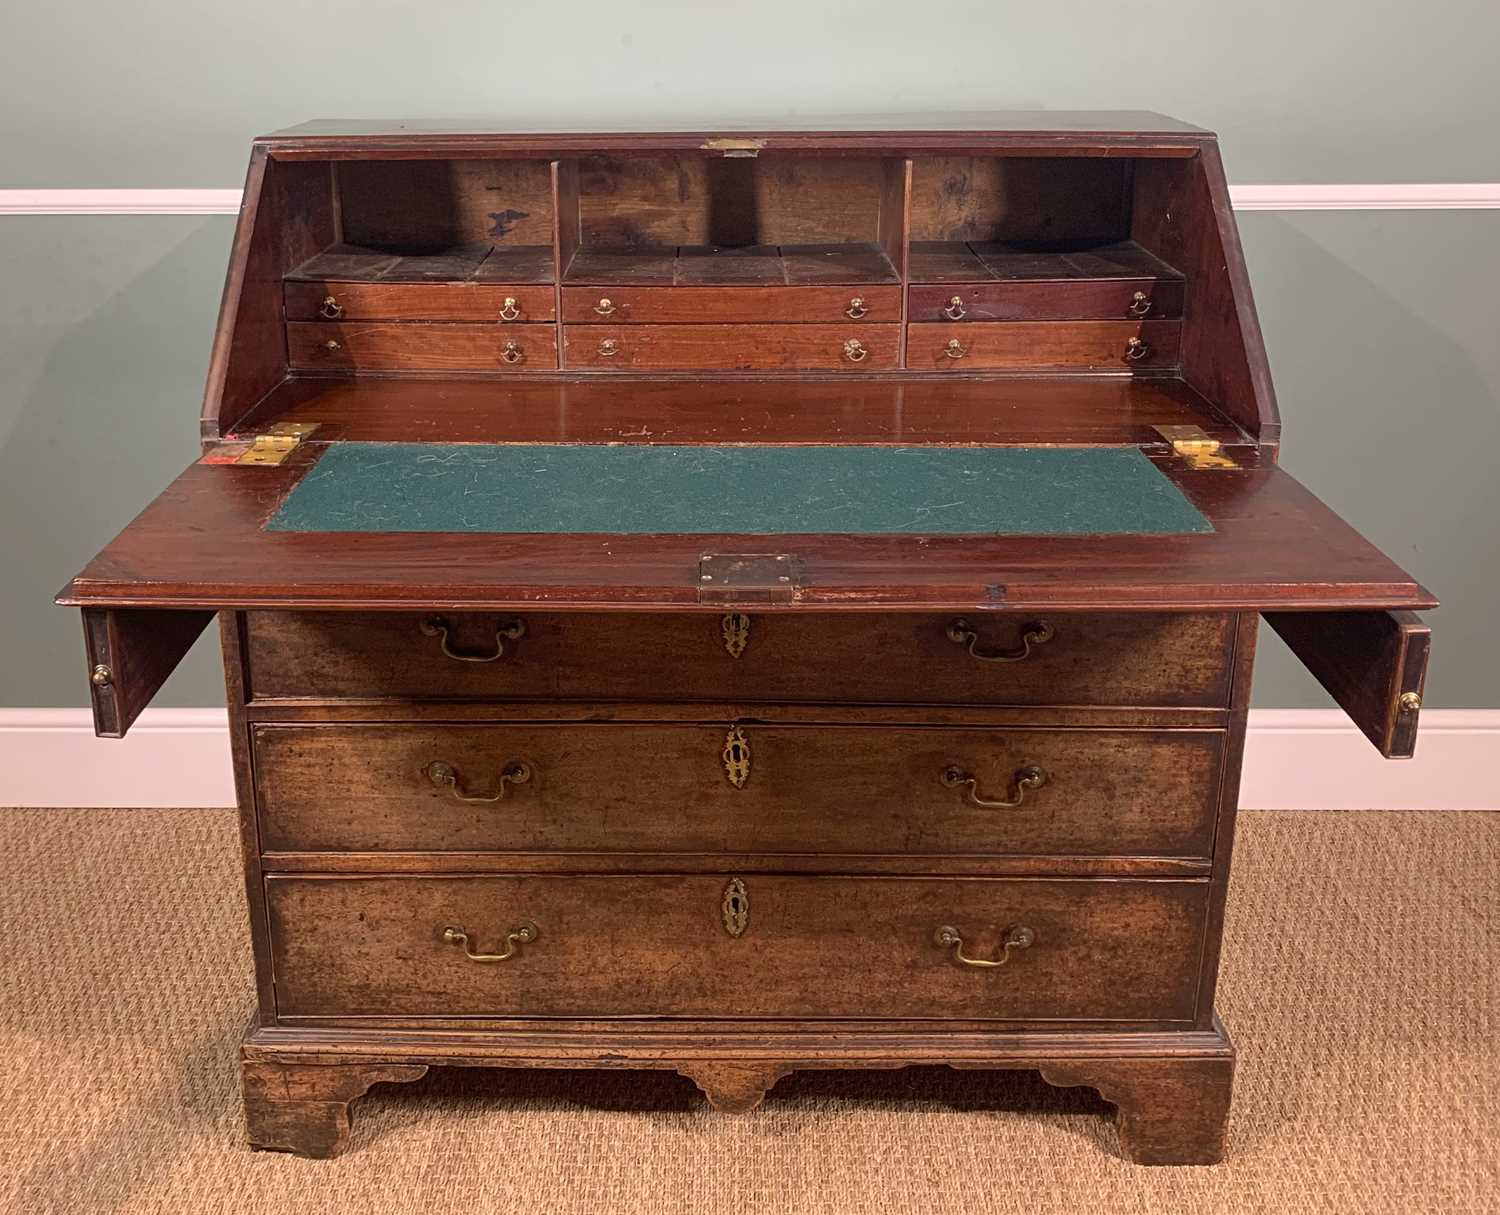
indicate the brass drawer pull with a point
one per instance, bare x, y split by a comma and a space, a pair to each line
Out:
1038, 632
854, 351
512, 353
1140, 304
955, 349
1019, 937
856, 308
604, 307
437, 626
1136, 350
1028, 777
508, 310
441, 773
609, 348
955, 310
330, 308
523, 933
331, 344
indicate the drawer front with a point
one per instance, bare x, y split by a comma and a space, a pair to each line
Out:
689, 305
1130, 660
1048, 300
846, 347
373, 346
790, 789
807, 947
1044, 345
335, 301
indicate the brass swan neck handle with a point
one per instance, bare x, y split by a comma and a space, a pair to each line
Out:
1033, 633
438, 626
442, 773
1028, 777
1019, 937
522, 934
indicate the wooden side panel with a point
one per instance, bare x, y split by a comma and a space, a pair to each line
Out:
286, 217
130, 655
1373, 664
1183, 215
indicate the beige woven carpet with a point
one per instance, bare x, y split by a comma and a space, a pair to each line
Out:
1359, 982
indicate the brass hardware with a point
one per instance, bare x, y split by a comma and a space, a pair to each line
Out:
1019, 937
856, 308
736, 757
1194, 445
955, 310
1030, 776
1136, 350
735, 907
330, 344
508, 310
604, 307
512, 353
736, 629
101, 676
609, 348
854, 351
734, 147
330, 308
523, 933
441, 773
1409, 702
276, 443
954, 350
1034, 633
1140, 304
437, 626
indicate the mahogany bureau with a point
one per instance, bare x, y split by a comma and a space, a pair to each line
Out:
742, 601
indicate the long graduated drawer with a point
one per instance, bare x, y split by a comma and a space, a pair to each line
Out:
738, 788
1141, 659
720, 946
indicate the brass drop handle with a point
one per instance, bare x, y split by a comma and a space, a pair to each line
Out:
609, 348
1136, 350
523, 933
1019, 937
330, 344
1035, 633
330, 308
1028, 777
856, 308
441, 774
955, 349
1140, 304
508, 310
437, 626
512, 353
604, 307
955, 310
854, 351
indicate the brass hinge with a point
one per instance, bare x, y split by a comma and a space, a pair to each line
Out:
1195, 446
275, 444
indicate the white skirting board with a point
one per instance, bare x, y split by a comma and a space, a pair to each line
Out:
1295, 759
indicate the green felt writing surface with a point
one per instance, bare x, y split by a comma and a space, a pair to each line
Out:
637, 489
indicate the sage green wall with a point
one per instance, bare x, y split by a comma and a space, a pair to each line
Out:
1381, 325
164, 92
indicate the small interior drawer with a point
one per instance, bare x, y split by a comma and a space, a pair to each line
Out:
1120, 346
692, 305
1048, 300
456, 301
846, 347
701, 946
384, 346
